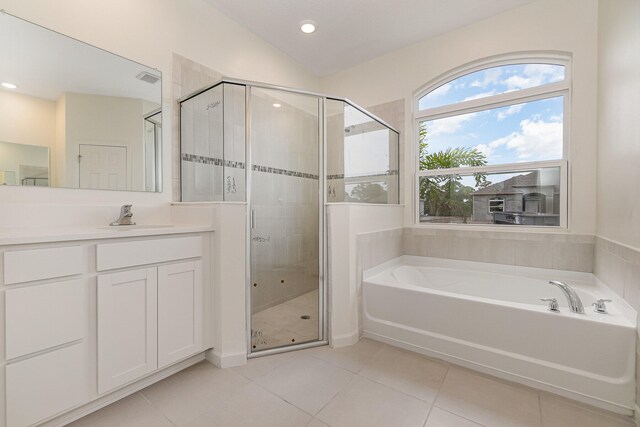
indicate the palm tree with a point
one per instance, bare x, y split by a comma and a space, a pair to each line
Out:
445, 195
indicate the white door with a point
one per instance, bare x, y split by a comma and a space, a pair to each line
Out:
103, 167
127, 326
180, 309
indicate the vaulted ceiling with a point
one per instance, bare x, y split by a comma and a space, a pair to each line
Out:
350, 32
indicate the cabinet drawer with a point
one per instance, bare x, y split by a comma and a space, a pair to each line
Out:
43, 316
38, 264
130, 254
45, 385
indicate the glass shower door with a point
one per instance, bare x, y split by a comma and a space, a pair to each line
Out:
285, 219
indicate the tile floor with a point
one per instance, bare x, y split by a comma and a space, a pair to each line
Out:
282, 324
368, 384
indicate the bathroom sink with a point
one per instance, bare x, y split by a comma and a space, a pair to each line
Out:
136, 227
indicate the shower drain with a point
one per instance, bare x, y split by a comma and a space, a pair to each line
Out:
305, 317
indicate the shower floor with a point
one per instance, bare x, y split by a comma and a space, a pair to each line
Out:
283, 324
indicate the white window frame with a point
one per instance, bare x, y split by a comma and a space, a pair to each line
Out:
496, 199
551, 90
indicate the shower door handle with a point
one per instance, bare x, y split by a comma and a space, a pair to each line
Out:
253, 219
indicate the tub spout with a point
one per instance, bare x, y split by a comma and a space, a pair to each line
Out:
572, 297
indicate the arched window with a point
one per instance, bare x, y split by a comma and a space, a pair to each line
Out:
490, 133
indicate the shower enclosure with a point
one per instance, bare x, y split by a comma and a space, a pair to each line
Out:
267, 146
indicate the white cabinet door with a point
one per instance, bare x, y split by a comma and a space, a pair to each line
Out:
180, 319
127, 326
46, 385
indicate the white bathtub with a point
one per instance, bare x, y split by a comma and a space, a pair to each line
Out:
490, 318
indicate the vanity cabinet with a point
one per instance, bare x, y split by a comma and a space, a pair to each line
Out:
45, 330
86, 322
127, 326
148, 318
180, 315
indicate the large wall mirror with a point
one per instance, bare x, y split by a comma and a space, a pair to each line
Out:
75, 116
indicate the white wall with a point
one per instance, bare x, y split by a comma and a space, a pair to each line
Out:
568, 25
618, 125
344, 222
149, 32
27, 120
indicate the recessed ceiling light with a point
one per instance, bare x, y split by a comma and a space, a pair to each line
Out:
9, 85
307, 27
277, 105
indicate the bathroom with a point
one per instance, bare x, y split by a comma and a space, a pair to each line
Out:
343, 367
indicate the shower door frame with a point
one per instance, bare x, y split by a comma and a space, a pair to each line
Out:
323, 326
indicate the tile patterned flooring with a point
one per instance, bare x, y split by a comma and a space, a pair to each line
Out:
368, 384
282, 324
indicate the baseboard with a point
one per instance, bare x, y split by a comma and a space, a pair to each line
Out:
101, 402
228, 360
345, 340
636, 415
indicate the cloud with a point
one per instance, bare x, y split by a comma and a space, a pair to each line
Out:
440, 91
536, 140
534, 75
514, 109
480, 95
491, 77
484, 149
448, 125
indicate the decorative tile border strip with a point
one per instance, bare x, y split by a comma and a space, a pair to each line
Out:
212, 161
286, 172
374, 175
241, 165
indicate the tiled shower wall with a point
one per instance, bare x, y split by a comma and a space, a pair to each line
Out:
212, 126
285, 155
188, 76
286, 236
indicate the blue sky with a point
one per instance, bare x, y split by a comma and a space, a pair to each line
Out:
516, 133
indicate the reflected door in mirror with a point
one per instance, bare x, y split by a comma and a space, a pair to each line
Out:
103, 167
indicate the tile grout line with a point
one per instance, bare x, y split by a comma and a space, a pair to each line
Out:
460, 416
540, 406
156, 408
282, 399
428, 415
351, 381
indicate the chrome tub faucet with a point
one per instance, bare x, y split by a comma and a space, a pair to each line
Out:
572, 297
125, 216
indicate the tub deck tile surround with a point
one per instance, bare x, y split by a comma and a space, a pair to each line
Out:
368, 384
543, 250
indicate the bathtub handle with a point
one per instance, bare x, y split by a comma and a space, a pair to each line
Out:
553, 304
600, 306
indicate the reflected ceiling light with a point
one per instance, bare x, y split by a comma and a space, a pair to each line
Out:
307, 27
277, 105
9, 85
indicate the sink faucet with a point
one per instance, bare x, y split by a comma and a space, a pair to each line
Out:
572, 297
125, 216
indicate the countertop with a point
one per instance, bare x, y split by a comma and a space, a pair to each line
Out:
26, 235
